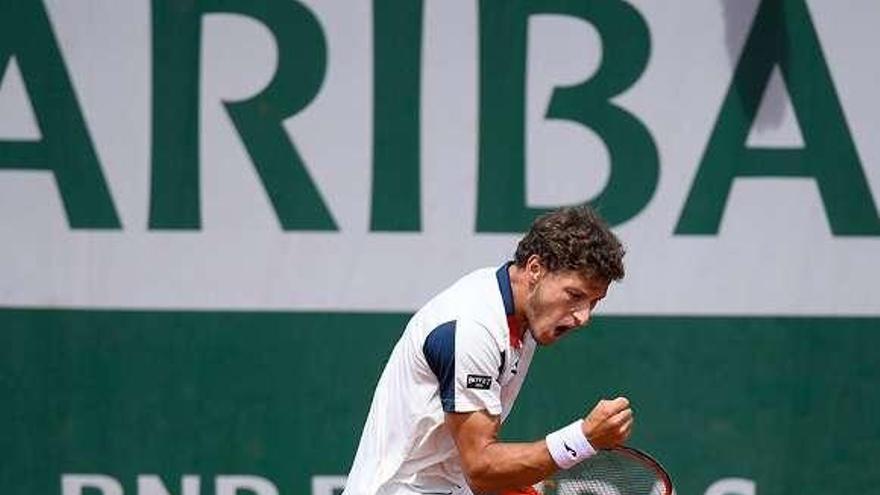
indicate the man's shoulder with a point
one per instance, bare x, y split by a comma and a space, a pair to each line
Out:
474, 295
481, 281
473, 301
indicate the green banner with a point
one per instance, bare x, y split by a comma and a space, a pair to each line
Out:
789, 403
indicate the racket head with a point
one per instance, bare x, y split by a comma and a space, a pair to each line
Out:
619, 471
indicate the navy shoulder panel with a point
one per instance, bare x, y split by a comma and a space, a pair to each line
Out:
439, 350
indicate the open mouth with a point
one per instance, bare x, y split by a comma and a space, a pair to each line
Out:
559, 331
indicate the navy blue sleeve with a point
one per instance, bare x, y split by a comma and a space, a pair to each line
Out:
439, 350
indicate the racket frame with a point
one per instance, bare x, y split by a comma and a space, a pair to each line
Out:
652, 463
642, 458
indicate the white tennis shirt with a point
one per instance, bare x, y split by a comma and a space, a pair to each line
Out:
457, 354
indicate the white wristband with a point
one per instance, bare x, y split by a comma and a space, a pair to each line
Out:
569, 446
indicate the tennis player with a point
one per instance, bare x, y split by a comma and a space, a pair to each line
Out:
453, 376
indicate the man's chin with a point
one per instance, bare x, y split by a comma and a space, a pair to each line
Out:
547, 338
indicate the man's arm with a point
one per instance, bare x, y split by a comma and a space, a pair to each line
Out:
491, 465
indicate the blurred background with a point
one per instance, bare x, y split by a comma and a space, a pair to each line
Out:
216, 217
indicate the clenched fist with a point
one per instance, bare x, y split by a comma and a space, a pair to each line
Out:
609, 424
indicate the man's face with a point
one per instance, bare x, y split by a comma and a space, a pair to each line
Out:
559, 302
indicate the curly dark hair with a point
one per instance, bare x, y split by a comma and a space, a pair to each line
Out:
573, 238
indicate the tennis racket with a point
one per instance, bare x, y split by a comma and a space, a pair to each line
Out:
618, 471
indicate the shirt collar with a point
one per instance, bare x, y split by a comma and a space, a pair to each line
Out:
506, 290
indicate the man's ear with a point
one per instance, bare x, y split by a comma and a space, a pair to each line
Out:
534, 268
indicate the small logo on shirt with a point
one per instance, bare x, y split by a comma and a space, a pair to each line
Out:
481, 382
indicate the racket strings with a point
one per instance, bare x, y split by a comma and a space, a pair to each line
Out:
606, 473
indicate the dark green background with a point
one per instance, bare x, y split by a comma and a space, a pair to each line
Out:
793, 403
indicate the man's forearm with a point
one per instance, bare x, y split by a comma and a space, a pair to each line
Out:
500, 466
491, 465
